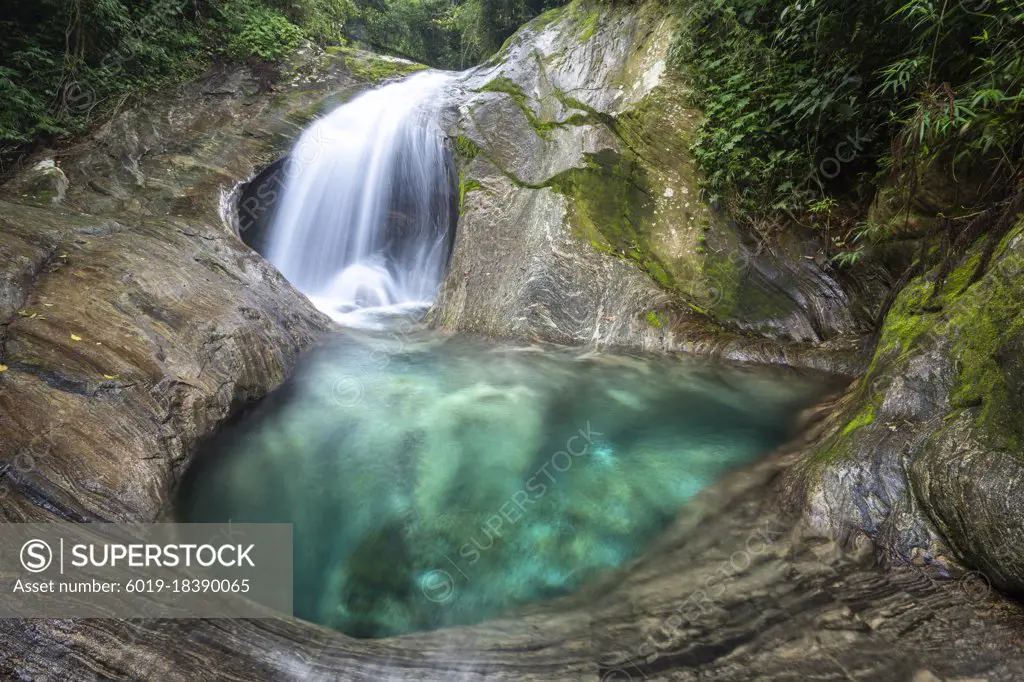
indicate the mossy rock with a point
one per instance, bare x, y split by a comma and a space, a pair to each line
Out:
928, 448
375, 68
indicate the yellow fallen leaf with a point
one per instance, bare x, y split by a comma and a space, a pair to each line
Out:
48, 305
3, 368
75, 337
110, 376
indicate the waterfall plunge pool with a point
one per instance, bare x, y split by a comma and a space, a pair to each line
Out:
435, 481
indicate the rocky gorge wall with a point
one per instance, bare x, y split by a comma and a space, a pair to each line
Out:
925, 456
134, 321
582, 217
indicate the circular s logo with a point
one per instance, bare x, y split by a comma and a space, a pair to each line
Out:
438, 586
347, 391
36, 556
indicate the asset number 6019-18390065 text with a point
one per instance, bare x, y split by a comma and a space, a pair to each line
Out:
187, 585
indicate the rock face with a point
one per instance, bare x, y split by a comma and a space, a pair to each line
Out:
925, 458
582, 220
133, 319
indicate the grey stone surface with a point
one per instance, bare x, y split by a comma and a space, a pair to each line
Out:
573, 85
924, 457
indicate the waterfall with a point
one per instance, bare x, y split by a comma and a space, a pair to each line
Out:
365, 221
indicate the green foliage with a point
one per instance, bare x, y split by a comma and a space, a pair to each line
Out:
322, 21
806, 99
415, 29
267, 35
451, 34
63, 63
483, 25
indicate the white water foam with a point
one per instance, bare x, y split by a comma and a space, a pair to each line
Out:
364, 224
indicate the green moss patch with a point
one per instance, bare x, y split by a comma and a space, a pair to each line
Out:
512, 89
586, 114
986, 326
981, 324
863, 418
587, 26
655, 319
466, 148
611, 204
466, 185
374, 68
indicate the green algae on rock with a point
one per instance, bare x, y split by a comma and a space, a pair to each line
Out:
943, 391
374, 68
582, 150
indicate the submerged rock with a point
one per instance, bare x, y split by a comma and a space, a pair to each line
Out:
734, 591
522, 472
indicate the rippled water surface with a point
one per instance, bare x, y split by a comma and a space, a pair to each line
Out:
435, 482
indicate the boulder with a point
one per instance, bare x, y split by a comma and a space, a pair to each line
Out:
582, 216
925, 456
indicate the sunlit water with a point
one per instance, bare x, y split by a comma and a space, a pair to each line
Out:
436, 482
366, 218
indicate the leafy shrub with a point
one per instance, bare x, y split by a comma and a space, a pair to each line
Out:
805, 99
65, 62
322, 21
266, 34
444, 33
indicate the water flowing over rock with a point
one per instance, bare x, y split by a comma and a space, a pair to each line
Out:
365, 220
134, 322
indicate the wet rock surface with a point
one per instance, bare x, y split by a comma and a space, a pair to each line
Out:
133, 321
582, 219
736, 590
924, 457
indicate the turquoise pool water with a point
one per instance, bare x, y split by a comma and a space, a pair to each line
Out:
435, 482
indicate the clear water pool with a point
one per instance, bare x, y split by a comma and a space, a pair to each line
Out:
435, 482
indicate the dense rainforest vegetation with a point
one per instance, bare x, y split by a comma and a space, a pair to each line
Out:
66, 63
810, 105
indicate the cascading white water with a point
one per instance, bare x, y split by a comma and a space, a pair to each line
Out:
364, 223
